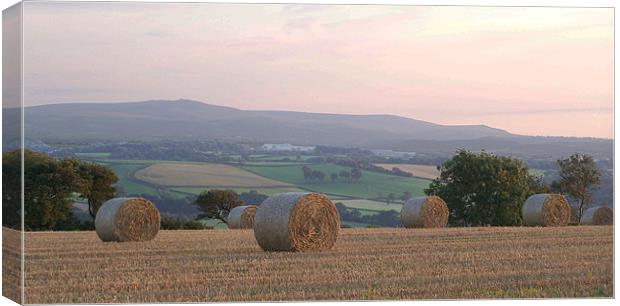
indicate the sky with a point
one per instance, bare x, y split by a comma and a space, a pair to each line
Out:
531, 71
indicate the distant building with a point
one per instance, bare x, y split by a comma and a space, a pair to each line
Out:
286, 147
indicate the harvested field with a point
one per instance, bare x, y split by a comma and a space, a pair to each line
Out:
199, 175
367, 264
423, 171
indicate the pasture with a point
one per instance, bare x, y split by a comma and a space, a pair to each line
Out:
197, 175
368, 187
424, 171
370, 205
264, 190
365, 264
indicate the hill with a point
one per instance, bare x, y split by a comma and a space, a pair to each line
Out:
193, 120
196, 120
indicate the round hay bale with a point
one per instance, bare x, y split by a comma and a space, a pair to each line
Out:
296, 222
600, 215
427, 212
242, 217
127, 219
546, 209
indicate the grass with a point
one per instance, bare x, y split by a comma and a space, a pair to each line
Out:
370, 184
93, 155
370, 205
281, 157
199, 175
423, 171
127, 183
354, 224
380, 263
267, 191
272, 163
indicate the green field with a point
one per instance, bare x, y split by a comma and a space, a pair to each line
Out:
93, 155
353, 195
354, 224
274, 164
127, 183
267, 191
281, 157
370, 184
370, 205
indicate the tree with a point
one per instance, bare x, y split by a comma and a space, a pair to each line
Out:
406, 196
379, 195
578, 175
307, 173
96, 184
345, 174
390, 198
48, 184
253, 197
334, 177
318, 175
482, 189
356, 174
216, 204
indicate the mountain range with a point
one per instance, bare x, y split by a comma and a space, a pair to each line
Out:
193, 120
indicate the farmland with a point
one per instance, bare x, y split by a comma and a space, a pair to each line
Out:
267, 174
196, 175
370, 205
368, 187
365, 264
268, 191
423, 171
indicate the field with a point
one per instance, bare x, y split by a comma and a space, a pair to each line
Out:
370, 184
370, 205
423, 171
195, 175
268, 191
127, 182
365, 264
182, 179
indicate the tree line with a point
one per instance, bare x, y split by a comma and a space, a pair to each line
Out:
352, 176
485, 189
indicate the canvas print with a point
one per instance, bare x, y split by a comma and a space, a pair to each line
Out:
219, 152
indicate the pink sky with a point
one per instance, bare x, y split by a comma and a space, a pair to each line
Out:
534, 71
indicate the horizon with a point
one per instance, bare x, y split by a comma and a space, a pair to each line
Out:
306, 112
528, 71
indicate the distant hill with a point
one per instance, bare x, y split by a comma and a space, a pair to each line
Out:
193, 120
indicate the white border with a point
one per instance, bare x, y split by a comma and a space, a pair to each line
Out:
539, 3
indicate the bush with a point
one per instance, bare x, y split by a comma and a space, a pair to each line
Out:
169, 222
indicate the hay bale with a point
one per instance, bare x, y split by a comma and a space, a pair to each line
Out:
127, 219
242, 217
546, 209
296, 222
600, 215
427, 212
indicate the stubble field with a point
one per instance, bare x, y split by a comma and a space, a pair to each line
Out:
214, 175
365, 264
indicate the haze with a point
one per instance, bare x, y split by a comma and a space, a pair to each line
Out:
533, 71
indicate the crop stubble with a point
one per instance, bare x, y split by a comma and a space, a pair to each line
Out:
222, 265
